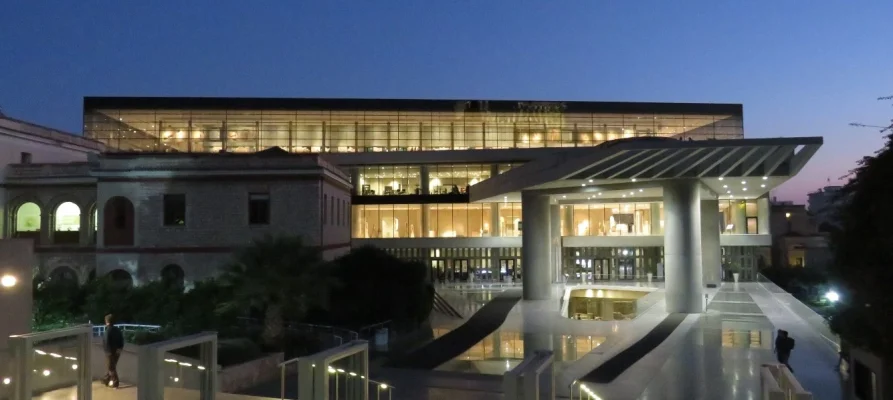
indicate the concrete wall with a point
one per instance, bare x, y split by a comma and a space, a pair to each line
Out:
16, 260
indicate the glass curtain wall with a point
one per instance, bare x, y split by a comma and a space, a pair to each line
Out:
739, 216
389, 180
387, 221
459, 220
359, 131
612, 219
455, 179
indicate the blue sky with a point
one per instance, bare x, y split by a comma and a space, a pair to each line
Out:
801, 68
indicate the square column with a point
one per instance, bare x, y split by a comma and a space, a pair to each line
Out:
711, 255
682, 246
763, 215
555, 232
535, 246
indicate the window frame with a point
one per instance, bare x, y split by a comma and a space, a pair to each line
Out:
265, 198
166, 200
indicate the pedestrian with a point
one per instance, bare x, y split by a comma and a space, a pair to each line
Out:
112, 343
783, 346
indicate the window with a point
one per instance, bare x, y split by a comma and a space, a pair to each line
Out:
174, 209
325, 201
25, 158
258, 208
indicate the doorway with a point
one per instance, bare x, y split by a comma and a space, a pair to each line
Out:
508, 269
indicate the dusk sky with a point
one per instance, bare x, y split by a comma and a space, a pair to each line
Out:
801, 68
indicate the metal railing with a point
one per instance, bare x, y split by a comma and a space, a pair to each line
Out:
777, 382
99, 330
379, 386
336, 336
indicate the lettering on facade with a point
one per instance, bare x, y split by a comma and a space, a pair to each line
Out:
525, 112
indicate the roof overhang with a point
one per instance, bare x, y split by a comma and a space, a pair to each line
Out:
743, 168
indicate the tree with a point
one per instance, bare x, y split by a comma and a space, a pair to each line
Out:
863, 250
377, 287
276, 275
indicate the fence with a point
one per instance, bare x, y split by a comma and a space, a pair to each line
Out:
778, 383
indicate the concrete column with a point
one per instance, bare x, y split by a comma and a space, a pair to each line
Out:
86, 227
568, 216
655, 219
355, 180
426, 208
423, 176
711, 256
682, 246
494, 220
739, 217
763, 214
494, 170
555, 233
535, 246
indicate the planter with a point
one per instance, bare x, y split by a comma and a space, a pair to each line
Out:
735, 276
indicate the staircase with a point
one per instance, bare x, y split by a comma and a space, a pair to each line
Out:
444, 307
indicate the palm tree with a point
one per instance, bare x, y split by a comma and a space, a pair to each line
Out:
275, 274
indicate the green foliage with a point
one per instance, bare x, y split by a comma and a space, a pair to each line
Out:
54, 307
807, 285
863, 248
376, 287
278, 276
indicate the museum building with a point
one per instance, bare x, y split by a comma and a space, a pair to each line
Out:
610, 190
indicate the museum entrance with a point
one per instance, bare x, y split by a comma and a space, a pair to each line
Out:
587, 264
509, 269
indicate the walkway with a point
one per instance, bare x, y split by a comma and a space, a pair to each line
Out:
615, 366
451, 345
101, 392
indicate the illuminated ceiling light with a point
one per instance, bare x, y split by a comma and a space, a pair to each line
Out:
744, 189
46, 372
623, 196
590, 181
731, 197
725, 186
634, 179
765, 177
720, 178
743, 182
563, 197
640, 190
584, 185
728, 191
599, 193
384, 386
7, 381
762, 186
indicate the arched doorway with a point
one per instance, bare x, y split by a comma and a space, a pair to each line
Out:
173, 274
67, 224
27, 221
63, 274
122, 277
118, 223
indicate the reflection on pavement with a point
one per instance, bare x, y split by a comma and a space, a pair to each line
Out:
501, 351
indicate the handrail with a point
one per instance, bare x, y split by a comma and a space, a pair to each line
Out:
286, 363
99, 330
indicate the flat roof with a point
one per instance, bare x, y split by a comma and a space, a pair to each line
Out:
443, 105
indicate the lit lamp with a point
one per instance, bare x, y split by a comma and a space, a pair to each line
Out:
8, 281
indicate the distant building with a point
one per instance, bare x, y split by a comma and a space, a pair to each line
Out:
823, 204
796, 239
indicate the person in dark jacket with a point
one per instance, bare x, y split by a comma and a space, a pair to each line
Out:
112, 343
783, 346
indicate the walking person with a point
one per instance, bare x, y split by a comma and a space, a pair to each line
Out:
112, 343
783, 346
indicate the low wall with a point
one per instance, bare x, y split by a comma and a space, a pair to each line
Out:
252, 373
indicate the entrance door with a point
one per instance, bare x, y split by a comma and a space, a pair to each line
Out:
626, 268
601, 269
460, 270
508, 269
438, 270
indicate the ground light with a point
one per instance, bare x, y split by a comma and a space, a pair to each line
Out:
832, 296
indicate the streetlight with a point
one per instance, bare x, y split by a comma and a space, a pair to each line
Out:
8, 281
832, 296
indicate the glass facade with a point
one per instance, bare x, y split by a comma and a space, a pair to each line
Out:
587, 264
454, 179
612, 219
312, 131
739, 216
389, 180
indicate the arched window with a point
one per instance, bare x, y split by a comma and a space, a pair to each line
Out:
117, 222
63, 274
172, 274
67, 224
27, 221
121, 277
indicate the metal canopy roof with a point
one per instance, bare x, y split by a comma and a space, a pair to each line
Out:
649, 160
